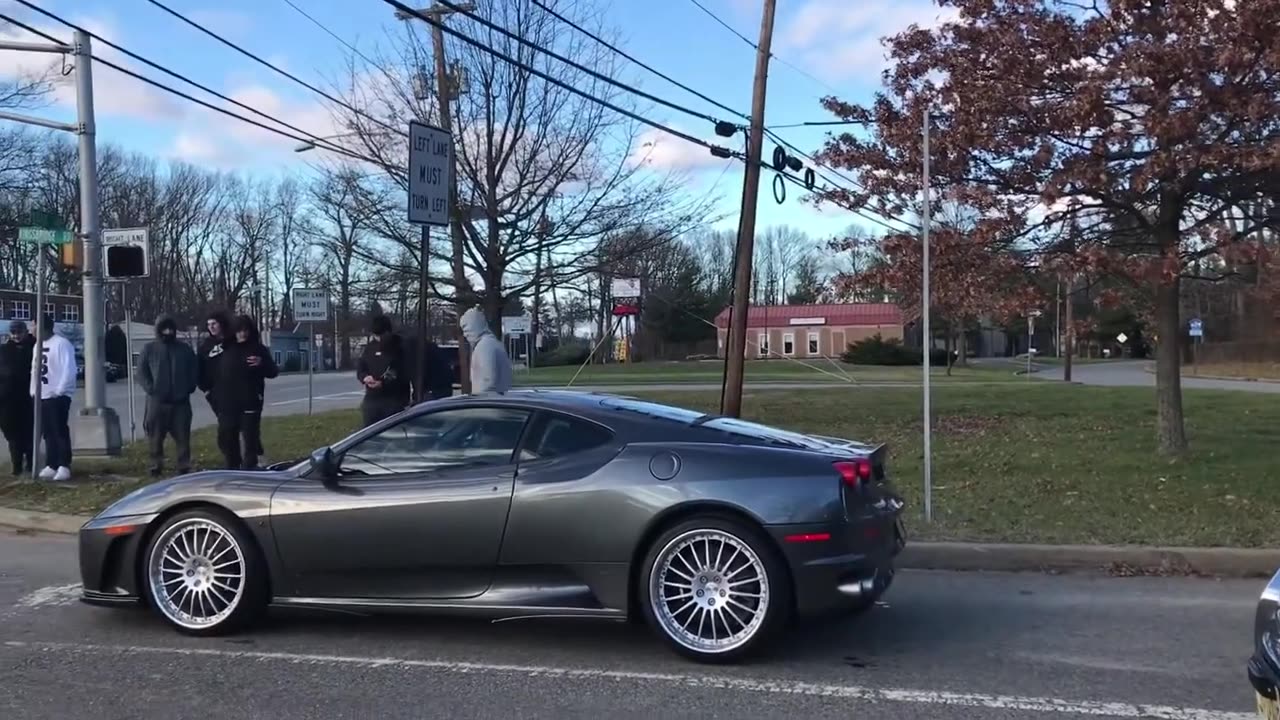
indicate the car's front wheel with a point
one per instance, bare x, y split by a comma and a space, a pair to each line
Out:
716, 590
204, 574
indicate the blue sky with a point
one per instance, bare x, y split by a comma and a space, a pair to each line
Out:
833, 42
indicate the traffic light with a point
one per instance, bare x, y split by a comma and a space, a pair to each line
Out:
126, 261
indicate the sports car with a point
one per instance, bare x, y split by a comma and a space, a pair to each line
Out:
718, 532
1264, 666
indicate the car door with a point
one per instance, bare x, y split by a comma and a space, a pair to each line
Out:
417, 511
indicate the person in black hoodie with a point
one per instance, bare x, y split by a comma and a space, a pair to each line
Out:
384, 372
15, 395
238, 387
208, 355
167, 371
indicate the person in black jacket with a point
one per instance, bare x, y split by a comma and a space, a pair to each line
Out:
15, 395
238, 387
167, 371
208, 355
385, 373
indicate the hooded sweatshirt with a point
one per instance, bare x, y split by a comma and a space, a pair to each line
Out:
54, 369
238, 386
167, 368
490, 366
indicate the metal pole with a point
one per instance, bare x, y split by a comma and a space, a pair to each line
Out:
128, 349
37, 362
1030, 332
736, 345
928, 335
106, 429
311, 366
424, 288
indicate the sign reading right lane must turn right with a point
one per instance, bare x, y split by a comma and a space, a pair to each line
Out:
430, 149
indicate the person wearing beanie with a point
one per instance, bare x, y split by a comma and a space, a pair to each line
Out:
52, 387
384, 372
15, 399
169, 373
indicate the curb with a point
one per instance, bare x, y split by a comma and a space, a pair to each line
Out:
1227, 378
955, 556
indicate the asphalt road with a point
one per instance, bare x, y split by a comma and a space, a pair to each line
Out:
946, 646
1132, 373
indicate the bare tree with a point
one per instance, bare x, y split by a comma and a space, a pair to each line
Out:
340, 232
290, 246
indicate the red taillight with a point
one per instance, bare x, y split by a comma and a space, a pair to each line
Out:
853, 472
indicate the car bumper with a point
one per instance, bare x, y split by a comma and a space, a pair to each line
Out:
109, 552
834, 571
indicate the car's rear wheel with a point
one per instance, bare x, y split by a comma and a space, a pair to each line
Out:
716, 590
204, 574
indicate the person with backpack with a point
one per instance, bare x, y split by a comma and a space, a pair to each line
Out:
239, 386
168, 372
384, 371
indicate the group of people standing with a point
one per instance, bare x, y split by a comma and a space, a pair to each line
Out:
26, 375
230, 367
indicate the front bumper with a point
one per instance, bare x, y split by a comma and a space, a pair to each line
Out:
110, 552
854, 562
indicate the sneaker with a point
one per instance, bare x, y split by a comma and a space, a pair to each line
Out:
48, 473
63, 474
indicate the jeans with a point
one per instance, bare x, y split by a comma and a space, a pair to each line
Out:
15, 422
54, 421
163, 419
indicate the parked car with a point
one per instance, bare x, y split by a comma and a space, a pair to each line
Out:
715, 531
1264, 666
110, 372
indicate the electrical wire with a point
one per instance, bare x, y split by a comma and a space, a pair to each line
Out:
318, 141
285, 73
577, 66
633, 59
718, 150
331, 33
185, 96
756, 47
819, 123
33, 31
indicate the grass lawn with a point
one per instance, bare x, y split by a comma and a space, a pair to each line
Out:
1253, 370
1021, 463
709, 371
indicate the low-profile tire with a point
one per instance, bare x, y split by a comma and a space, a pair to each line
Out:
204, 573
715, 589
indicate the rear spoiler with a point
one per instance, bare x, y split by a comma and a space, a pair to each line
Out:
876, 453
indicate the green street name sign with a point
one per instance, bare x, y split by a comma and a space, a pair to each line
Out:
45, 236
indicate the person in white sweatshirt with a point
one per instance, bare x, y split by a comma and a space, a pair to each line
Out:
54, 378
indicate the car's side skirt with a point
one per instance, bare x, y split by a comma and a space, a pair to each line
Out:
474, 607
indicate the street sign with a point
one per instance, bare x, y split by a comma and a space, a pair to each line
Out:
517, 325
44, 236
625, 288
310, 305
1197, 328
430, 150
1122, 338
127, 252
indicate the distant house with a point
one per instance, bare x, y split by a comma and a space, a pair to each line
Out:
805, 331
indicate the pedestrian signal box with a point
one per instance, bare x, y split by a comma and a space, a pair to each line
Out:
126, 261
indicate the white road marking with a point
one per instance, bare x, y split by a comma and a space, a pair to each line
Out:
51, 595
775, 687
334, 397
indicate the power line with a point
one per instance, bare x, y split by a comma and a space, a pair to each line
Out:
787, 177
819, 123
285, 73
756, 47
717, 150
577, 66
636, 61
34, 31
331, 33
315, 139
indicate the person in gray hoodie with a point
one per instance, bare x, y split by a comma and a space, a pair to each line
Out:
168, 373
490, 366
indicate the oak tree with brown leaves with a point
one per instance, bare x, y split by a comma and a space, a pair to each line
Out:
1154, 124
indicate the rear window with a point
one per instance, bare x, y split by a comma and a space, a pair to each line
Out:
657, 410
764, 432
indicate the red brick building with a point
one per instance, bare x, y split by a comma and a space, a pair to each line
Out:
805, 331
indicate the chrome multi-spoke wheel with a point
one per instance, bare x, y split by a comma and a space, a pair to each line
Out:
709, 591
197, 572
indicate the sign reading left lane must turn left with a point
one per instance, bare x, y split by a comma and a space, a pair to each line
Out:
430, 151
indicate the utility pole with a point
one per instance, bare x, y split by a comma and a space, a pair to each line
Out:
97, 427
445, 93
736, 342
927, 343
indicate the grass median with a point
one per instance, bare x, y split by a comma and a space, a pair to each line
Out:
807, 371
1018, 463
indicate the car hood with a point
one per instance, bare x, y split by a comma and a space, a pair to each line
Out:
222, 487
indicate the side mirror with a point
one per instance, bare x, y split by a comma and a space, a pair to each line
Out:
323, 464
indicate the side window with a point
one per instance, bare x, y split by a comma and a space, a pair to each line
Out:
557, 435
466, 437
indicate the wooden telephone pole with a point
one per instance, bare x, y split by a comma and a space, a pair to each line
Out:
736, 343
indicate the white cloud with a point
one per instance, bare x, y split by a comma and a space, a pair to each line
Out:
841, 41
662, 151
